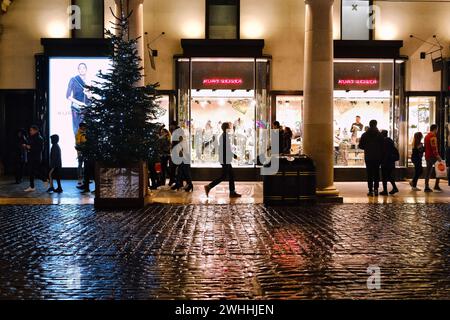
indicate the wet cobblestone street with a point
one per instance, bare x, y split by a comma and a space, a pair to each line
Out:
229, 251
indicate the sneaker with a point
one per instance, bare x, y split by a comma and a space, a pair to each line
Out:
29, 189
437, 189
235, 195
50, 190
81, 187
427, 190
415, 189
207, 190
394, 191
384, 193
59, 190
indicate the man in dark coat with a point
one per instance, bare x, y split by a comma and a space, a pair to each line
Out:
372, 144
35, 146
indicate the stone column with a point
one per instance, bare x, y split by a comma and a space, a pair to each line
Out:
318, 92
136, 26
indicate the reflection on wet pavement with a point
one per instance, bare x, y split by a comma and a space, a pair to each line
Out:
224, 251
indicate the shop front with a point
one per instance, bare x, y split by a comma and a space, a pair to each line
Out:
365, 89
214, 90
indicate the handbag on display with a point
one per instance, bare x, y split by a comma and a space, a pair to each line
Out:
441, 169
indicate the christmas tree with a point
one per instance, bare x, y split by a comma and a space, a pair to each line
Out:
119, 127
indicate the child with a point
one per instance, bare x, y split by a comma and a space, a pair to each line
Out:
55, 164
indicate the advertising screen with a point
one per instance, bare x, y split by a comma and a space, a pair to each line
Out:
68, 80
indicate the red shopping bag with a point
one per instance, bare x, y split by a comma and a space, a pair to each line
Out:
158, 167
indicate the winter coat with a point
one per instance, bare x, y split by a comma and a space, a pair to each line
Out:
55, 157
36, 143
372, 144
417, 154
390, 153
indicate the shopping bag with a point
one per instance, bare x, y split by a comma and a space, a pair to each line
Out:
441, 169
158, 167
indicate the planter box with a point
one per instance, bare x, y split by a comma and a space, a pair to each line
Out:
122, 186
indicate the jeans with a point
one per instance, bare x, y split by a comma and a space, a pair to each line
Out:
430, 169
388, 176
77, 118
227, 171
184, 174
373, 174
418, 170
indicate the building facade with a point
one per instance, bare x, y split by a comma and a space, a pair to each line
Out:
243, 61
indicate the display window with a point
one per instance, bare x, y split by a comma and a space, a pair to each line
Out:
164, 104
421, 115
289, 112
217, 90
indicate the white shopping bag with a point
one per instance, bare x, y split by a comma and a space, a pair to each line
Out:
441, 169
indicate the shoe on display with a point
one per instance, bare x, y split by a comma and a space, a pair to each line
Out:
30, 189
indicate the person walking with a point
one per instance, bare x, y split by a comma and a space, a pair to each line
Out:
390, 156
417, 158
165, 140
20, 154
184, 168
226, 156
172, 166
35, 147
372, 143
55, 165
278, 129
432, 156
80, 139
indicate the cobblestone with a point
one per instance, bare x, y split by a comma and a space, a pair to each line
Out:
229, 251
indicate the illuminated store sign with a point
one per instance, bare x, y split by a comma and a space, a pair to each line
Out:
361, 82
217, 81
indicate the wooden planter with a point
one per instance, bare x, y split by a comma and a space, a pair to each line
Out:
121, 186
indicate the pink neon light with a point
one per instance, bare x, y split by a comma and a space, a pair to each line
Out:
361, 82
214, 81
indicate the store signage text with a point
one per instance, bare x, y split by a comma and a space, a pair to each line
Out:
360, 82
223, 81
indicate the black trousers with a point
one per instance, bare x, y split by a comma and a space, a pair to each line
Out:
387, 173
20, 167
184, 174
55, 174
227, 172
418, 171
35, 172
373, 174
165, 161
153, 175
89, 172
172, 172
